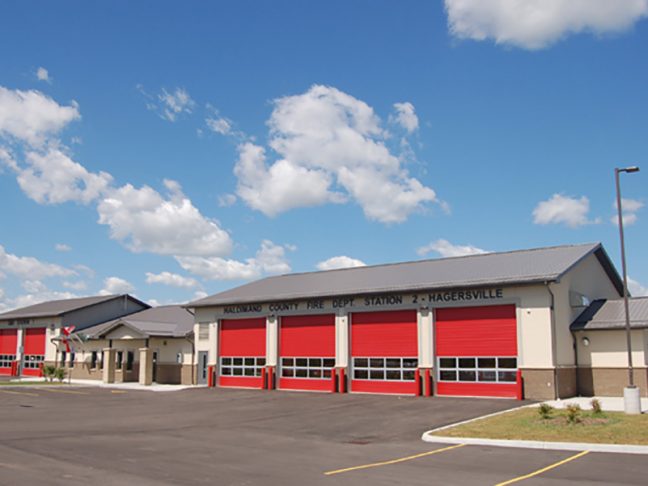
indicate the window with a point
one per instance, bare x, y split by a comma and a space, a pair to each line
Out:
62, 361
241, 366
314, 368
6, 360
130, 357
203, 331
179, 358
478, 369
93, 360
119, 359
33, 361
72, 358
392, 369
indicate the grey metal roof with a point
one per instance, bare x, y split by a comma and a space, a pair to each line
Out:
610, 314
514, 267
55, 308
163, 321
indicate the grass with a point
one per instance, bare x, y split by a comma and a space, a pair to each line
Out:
32, 383
526, 424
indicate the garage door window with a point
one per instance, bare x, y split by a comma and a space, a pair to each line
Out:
33, 361
241, 366
478, 369
392, 369
315, 368
6, 360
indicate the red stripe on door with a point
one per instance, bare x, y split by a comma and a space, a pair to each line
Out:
35, 341
384, 334
8, 341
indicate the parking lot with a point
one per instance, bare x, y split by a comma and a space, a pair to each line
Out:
65, 435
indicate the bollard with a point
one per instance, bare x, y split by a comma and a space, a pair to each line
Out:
417, 381
520, 385
428, 383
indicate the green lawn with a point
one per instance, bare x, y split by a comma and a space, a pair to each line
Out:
526, 424
32, 383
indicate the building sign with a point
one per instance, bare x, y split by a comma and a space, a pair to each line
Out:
382, 301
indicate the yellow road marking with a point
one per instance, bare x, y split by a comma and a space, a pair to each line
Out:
117, 391
53, 390
544, 469
393, 461
20, 393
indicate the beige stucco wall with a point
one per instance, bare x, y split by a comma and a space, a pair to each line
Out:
608, 349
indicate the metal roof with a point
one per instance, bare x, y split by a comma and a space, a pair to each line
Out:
610, 314
55, 308
163, 321
506, 268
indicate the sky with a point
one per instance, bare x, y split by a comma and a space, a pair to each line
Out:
173, 150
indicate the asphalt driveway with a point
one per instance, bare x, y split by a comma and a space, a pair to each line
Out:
238, 437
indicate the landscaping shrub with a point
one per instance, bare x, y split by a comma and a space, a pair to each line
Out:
545, 410
573, 413
49, 372
59, 374
597, 409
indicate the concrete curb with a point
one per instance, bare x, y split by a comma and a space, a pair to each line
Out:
534, 444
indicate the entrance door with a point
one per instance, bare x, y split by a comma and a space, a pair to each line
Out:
384, 352
155, 359
242, 352
307, 352
8, 343
202, 367
476, 350
34, 351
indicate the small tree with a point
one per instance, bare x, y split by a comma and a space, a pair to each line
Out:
545, 410
573, 413
597, 408
49, 372
59, 374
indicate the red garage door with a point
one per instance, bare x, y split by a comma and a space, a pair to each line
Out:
307, 351
476, 350
242, 352
8, 343
384, 352
34, 351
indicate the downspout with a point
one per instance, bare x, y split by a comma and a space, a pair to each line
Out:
554, 347
575, 341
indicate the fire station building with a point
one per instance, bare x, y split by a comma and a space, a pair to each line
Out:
490, 325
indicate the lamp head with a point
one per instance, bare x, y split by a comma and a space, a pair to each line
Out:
633, 168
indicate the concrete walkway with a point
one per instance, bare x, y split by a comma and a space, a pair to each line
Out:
118, 386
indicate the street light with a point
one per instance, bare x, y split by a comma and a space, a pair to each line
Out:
631, 398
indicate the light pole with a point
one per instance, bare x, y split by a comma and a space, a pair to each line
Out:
631, 397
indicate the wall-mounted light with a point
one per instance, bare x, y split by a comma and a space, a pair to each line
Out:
586, 341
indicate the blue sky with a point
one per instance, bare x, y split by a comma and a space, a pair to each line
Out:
177, 149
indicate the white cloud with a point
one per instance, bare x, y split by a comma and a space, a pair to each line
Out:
331, 147
62, 247
629, 207
447, 249
269, 259
43, 75
340, 262
30, 267
52, 177
566, 210
199, 294
173, 279
175, 103
43, 295
636, 289
219, 125
226, 200
32, 117
535, 24
79, 285
116, 285
144, 220
406, 116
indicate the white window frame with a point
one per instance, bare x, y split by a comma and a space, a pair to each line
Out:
229, 366
33, 361
313, 368
203, 331
376, 366
477, 369
6, 360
